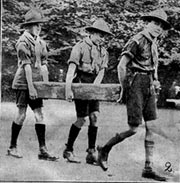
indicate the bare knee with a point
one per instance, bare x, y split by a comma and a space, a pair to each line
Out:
93, 118
38, 115
21, 116
80, 122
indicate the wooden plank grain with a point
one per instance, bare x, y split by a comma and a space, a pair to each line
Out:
84, 91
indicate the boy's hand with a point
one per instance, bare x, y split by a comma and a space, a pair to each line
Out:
69, 95
119, 100
33, 93
157, 86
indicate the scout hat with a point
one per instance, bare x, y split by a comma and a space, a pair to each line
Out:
158, 15
99, 26
32, 17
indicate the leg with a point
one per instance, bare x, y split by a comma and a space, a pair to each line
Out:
73, 134
15, 129
81, 107
149, 146
92, 135
40, 128
104, 151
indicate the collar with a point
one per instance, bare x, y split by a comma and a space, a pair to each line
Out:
89, 42
147, 34
29, 37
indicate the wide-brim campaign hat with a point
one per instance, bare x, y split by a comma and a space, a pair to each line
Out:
99, 26
158, 15
33, 17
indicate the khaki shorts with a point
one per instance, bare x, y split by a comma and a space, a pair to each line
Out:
23, 100
140, 102
86, 107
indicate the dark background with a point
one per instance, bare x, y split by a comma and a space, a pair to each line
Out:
65, 26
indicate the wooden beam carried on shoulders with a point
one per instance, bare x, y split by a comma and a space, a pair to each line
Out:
84, 91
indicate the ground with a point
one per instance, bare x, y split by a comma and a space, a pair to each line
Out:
126, 160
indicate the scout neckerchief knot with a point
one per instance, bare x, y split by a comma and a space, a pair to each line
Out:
98, 55
36, 46
154, 50
37, 50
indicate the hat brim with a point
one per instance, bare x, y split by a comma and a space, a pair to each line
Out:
33, 22
90, 29
149, 18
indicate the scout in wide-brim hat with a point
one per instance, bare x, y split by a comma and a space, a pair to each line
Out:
99, 26
158, 15
32, 17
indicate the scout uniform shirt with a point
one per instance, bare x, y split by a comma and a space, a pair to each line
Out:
143, 53
89, 58
29, 51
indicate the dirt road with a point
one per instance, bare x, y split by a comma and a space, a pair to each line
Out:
126, 160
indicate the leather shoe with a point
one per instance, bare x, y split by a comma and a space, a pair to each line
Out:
153, 175
102, 158
13, 152
70, 157
91, 158
44, 155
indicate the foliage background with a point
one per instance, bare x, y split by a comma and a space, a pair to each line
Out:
65, 26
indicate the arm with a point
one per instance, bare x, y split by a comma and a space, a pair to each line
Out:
99, 77
69, 79
28, 73
122, 73
44, 62
122, 69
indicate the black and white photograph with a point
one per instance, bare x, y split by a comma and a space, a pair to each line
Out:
90, 91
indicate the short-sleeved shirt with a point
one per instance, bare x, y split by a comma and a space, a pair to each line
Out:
142, 51
27, 55
88, 57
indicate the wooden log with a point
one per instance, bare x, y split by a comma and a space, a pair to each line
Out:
84, 91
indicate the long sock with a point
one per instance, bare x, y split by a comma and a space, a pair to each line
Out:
15, 129
117, 139
40, 131
149, 146
92, 134
73, 133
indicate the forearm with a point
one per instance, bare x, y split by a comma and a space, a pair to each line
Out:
121, 75
122, 69
70, 75
99, 77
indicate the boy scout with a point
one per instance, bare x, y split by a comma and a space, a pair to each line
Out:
32, 66
137, 71
87, 64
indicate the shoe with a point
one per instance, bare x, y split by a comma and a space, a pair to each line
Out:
153, 175
70, 157
91, 158
14, 152
44, 155
102, 158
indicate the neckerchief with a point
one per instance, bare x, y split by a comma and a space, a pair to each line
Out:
35, 45
98, 54
154, 49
